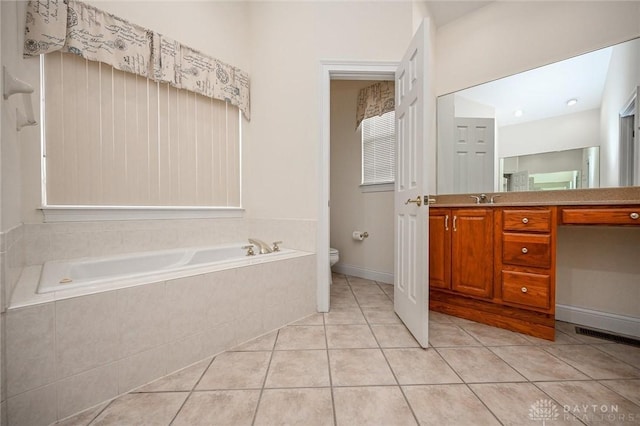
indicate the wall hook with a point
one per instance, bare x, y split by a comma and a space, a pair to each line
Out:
11, 85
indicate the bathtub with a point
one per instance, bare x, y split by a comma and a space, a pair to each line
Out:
118, 322
71, 278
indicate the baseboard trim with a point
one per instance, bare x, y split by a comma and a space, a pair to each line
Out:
620, 324
368, 274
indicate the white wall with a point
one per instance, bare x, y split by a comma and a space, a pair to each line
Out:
510, 37
569, 131
622, 79
289, 41
351, 209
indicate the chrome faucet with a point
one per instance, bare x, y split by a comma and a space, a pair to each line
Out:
264, 247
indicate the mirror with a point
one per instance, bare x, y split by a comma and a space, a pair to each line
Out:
562, 126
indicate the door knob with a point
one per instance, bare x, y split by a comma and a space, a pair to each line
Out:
418, 201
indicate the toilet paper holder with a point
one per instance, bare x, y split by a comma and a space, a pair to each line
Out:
359, 235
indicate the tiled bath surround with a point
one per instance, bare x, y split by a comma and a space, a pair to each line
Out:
68, 355
130, 336
54, 241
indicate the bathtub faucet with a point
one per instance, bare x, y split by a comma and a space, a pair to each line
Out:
264, 247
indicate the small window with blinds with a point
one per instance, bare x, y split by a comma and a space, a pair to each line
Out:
378, 149
117, 139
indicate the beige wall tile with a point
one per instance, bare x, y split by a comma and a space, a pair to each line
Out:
142, 318
181, 353
87, 389
86, 333
35, 407
186, 306
141, 368
30, 348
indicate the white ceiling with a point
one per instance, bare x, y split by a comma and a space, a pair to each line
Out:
543, 92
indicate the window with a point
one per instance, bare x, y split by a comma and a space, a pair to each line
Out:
112, 138
379, 149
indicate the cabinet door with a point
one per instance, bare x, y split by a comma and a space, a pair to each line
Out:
472, 252
440, 248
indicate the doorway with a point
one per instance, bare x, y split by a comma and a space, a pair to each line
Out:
336, 70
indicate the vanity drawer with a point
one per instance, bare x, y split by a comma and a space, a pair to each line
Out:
527, 220
601, 216
527, 289
526, 250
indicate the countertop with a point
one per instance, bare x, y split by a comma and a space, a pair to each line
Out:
575, 197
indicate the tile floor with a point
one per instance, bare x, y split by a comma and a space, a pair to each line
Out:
358, 365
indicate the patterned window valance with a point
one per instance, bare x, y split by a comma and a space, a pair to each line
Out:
75, 27
375, 100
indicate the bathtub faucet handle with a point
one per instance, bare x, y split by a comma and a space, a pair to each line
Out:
249, 249
276, 247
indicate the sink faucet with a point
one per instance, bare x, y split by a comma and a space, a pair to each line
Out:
264, 247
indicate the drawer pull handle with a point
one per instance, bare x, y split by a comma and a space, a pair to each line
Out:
524, 289
634, 215
525, 220
446, 222
524, 250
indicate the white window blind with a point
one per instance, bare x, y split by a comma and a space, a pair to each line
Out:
378, 149
116, 139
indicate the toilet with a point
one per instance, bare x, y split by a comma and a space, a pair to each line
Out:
334, 256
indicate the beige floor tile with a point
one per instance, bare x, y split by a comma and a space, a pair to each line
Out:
535, 364
183, 380
374, 300
236, 407
479, 365
594, 363
338, 315
439, 317
420, 367
394, 336
448, 335
142, 409
313, 319
301, 337
356, 281
368, 291
630, 389
359, 367
626, 353
560, 339
350, 336
494, 336
592, 403
381, 316
387, 288
236, 370
291, 369
295, 407
84, 418
372, 406
521, 403
262, 343
448, 405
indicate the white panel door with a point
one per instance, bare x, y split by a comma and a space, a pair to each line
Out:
473, 158
411, 290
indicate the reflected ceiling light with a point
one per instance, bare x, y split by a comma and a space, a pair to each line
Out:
518, 113
572, 102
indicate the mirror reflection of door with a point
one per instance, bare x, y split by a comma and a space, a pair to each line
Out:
473, 156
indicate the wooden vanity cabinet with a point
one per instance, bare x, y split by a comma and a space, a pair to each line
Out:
461, 251
525, 259
494, 265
